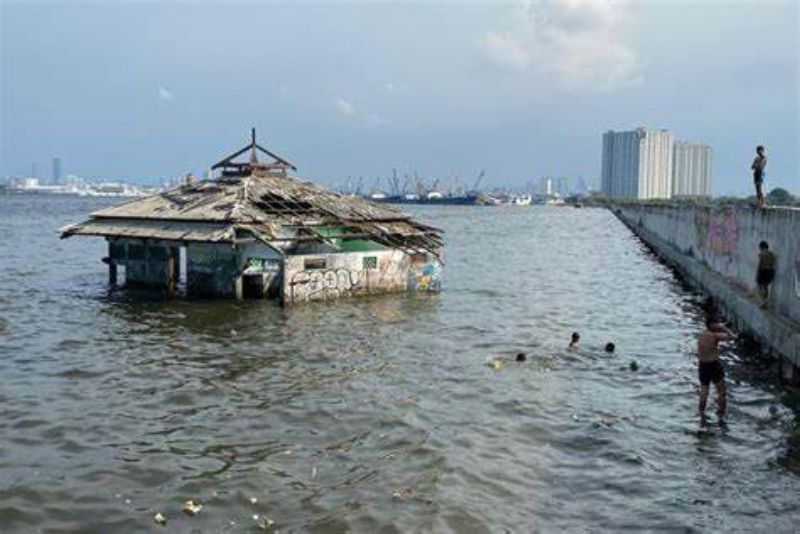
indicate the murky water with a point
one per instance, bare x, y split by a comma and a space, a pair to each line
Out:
381, 414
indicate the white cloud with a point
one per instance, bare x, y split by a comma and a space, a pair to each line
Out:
578, 43
505, 51
348, 111
164, 94
345, 108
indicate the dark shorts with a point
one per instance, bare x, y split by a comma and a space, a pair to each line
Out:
764, 277
758, 177
710, 372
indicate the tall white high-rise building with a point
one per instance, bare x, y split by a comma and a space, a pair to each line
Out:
637, 164
691, 170
546, 185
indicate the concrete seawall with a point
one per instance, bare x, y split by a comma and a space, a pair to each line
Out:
716, 249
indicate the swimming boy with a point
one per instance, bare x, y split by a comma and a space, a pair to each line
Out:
573, 341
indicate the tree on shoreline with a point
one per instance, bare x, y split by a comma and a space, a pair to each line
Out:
780, 197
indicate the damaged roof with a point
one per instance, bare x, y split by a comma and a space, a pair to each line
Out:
263, 200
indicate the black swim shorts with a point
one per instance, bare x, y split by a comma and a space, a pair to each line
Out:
758, 177
710, 372
764, 277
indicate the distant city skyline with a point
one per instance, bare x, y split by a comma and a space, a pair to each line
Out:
147, 91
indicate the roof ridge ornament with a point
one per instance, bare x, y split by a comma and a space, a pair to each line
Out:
233, 168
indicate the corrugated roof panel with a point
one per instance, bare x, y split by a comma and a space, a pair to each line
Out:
178, 231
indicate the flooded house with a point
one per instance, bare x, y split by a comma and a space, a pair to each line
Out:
254, 231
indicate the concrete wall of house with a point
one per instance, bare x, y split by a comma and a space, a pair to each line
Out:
212, 270
310, 277
718, 250
146, 262
262, 267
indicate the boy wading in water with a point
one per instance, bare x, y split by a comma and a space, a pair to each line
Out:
758, 174
709, 367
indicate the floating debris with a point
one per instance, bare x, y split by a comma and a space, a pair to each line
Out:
263, 521
496, 364
253, 500
401, 494
191, 507
160, 519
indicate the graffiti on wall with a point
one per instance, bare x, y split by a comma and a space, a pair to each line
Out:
322, 284
425, 275
717, 232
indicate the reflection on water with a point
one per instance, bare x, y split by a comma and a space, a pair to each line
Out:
381, 413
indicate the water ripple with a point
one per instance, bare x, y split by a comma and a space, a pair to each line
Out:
381, 414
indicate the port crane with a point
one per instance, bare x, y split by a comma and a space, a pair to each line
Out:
478, 180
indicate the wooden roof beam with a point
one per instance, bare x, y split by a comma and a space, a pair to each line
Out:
253, 146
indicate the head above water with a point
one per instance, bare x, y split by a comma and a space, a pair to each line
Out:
760, 149
610, 347
763, 245
576, 337
520, 357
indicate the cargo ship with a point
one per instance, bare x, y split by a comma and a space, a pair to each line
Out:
433, 198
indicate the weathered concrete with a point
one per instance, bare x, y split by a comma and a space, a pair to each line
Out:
717, 250
326, 276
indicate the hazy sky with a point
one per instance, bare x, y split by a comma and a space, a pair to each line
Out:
145, 90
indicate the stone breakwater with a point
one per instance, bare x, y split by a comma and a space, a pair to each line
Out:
716, 249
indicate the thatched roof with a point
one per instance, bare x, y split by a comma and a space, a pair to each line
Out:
265, 202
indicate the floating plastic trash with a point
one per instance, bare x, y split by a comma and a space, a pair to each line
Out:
191, 507
263, 521
496, 364
401, 494
160, 519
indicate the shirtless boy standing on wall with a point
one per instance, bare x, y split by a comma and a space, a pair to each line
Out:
709, 367
758, 175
